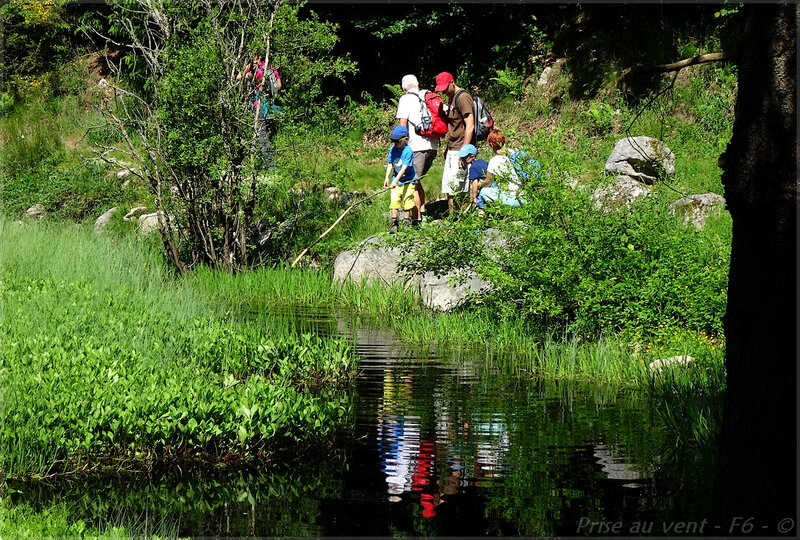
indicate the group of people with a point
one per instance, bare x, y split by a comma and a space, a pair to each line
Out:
412, 154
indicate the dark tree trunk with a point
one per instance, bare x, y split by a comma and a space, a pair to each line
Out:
756, 481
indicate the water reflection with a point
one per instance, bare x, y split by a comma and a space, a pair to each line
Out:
443, 443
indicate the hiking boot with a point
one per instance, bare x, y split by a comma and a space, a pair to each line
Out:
416, 223
406, 223
394, 226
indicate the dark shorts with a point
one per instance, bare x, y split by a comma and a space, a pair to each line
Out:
423, 161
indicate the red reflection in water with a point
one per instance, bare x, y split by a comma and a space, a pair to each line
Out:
424, 478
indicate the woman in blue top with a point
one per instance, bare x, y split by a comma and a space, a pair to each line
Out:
400, 165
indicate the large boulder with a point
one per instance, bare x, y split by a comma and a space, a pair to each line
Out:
374, 262
641, 158
622, 192
695, 209
451, 290
103, 220
370, 261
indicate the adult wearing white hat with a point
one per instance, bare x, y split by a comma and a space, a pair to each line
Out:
409, 115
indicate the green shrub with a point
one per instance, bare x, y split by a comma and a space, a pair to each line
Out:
568, 265
510, 84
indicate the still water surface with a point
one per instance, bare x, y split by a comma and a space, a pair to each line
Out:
442, 442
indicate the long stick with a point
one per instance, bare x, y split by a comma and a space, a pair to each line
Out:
336, 222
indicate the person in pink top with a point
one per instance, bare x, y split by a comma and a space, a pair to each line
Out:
264, 92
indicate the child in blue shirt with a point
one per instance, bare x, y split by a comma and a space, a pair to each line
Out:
400, 164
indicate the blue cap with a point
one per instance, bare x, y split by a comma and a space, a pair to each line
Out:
478, 169
398, 133
466, 150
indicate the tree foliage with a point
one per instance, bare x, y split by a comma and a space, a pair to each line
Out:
189, 125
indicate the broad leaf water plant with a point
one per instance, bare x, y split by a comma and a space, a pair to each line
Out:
102, 367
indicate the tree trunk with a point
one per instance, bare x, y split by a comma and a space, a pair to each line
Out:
755, 489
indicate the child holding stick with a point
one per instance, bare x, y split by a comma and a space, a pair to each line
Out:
400, 165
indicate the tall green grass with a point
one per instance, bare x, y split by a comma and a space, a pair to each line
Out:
280, 287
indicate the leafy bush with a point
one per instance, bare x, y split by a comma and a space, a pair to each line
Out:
569, 265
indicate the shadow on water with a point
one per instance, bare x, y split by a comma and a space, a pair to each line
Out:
443, 443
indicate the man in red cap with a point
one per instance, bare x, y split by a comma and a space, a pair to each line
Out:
460, 130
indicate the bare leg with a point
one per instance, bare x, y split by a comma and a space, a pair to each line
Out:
419, 198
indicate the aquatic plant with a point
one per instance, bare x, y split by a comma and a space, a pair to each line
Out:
101, 365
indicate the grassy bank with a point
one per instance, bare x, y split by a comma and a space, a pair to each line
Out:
106, 360
616, 358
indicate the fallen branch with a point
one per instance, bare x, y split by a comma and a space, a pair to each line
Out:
676, 66
336, 222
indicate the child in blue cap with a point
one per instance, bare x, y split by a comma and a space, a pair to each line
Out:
400, 164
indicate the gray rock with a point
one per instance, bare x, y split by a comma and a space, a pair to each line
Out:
134, 212
103, 220
265, 236
451, 290
370, 262
695, 209
673, 361
641, 158
36, 211
124, 174
550, 74
374, 263
332, 193
148, 223
622, 192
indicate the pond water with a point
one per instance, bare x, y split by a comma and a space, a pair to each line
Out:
442, 443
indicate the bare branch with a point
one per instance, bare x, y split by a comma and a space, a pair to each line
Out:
676, 66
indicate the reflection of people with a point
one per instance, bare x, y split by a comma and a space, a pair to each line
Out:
265, 89
423, 480
409, 114
460, 128
398, 437
400, 165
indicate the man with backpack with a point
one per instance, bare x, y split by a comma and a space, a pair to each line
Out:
422, 112
460, 131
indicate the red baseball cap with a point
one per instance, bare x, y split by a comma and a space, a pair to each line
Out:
443, 79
